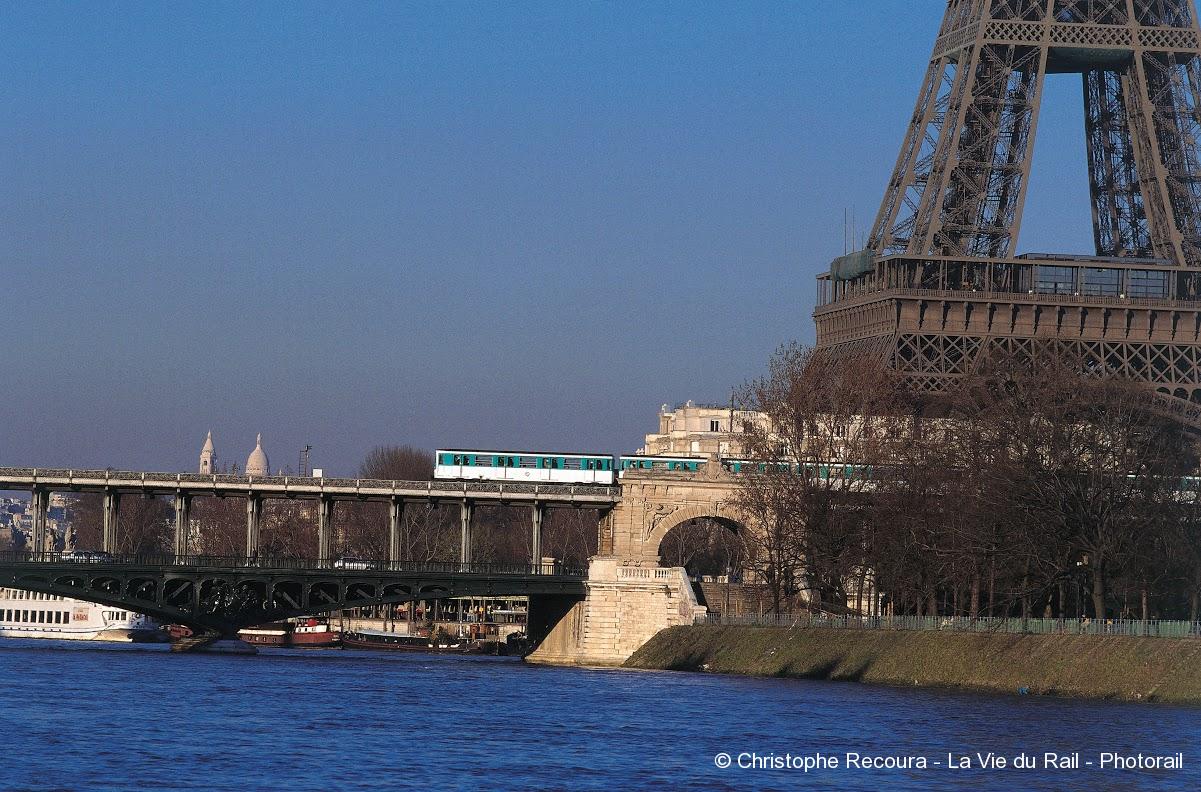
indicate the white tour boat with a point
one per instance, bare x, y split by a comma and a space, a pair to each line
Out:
33, 614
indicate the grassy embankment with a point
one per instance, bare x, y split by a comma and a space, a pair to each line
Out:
1106, 667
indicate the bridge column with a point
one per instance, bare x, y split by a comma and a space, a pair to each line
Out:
604, 542
537, 512
254, 514
465, 512
39, 502
183, 513
395, 518
112, 516
325, 524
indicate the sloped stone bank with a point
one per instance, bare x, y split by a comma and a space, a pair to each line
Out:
1105, 667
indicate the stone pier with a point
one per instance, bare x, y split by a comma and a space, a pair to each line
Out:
624, 607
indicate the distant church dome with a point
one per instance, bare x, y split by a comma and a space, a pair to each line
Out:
256, 463
207, 455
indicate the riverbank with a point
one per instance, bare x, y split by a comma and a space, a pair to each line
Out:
1085, 666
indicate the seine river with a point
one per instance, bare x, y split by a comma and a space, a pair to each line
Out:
91, 718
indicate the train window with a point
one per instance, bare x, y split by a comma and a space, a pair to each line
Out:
458, 459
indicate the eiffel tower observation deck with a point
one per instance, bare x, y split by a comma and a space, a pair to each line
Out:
939, 285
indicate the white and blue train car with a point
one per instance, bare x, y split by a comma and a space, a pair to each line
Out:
533, 466
674, 464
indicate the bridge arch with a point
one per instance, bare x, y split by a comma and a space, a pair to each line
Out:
722, 512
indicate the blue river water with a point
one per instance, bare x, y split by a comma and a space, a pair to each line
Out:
87, 717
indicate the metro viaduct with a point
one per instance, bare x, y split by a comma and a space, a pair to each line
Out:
183, 487
218, 596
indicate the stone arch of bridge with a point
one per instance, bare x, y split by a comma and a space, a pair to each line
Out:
723, 513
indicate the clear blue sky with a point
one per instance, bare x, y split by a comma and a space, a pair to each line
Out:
467, 224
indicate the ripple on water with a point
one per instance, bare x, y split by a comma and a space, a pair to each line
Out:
97, 718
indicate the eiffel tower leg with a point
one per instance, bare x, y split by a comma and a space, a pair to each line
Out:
1167, 157
984, 180
894, 222
1119, 220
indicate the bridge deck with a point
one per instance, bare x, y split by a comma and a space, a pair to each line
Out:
300, 487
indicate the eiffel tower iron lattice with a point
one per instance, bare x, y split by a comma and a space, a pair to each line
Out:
939, 286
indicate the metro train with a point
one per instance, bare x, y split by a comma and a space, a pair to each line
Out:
572, 468
532, 466
551, 466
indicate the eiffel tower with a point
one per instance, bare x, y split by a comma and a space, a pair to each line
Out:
939, 285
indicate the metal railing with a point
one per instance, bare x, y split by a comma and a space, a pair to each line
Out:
95, 559
877, 291
1153, 628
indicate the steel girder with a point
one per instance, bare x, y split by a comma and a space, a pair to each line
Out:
934, 363
224, 600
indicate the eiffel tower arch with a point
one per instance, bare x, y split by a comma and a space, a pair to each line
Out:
939, 284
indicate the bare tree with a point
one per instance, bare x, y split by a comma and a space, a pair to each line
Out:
1081, 456
400, 463
1032, 478
826, 423
704, 546
220, 525
144, 523
571, 535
